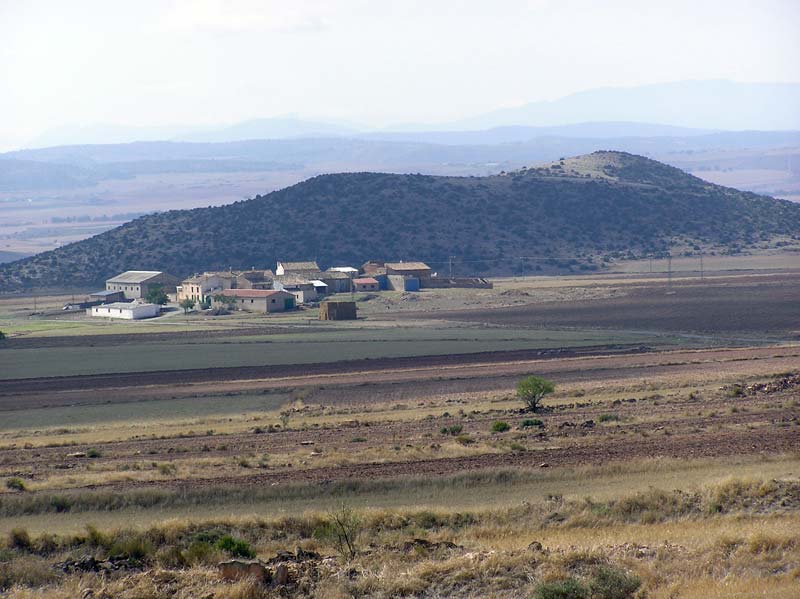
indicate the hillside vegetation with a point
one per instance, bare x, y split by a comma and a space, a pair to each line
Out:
576, 213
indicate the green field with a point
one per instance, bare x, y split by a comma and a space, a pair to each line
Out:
297, 348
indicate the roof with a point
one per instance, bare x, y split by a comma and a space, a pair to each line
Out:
299, 266
366, 281
317, 283
254, 293
334, 274
256, 275
342, 269
135, 276
105, 293
407, 266
125, 305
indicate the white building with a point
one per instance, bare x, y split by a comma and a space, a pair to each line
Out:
125, 311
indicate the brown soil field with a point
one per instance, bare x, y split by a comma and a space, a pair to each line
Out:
768, 305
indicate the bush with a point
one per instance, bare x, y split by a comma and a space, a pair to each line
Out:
15, 484
93, 453
531, 422
465, 440
609, 582
500, 427
561, 589
451, 430
235, 547
19, 539
608, 418
132, 546
200, 552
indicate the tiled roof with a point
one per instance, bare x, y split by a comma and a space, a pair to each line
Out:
365, 281
299, 266
407, 266
250, 292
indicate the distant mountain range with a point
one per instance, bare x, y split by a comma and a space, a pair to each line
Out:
678, 108
573, 214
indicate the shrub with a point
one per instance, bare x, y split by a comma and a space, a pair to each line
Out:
167, 469
609, 582
200, 552
451, 430
358, 440
341, 529
132, 546
235, 547
500, 427
531, 422
19, 539
561, 589
608, 418
93, 453
465, 440
531, 390
15, 484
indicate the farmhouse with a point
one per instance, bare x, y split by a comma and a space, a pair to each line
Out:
136, 284
419, 270
262, 300
125, 310
366, 284
201, 288
254, 279
337, 281
296, 268
304, 291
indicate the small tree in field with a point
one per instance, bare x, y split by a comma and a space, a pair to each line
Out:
187, 304
532, 389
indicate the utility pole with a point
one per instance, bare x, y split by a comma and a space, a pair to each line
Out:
669, 273
701, 266
450, 266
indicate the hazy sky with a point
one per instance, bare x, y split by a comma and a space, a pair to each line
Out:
156, 62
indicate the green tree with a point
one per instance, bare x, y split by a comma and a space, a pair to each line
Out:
532, 389
341, 529
229, 301
156, 295
2, 335
187, 304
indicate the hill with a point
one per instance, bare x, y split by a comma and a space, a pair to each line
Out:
572, 214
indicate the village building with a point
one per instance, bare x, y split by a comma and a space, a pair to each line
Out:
401, 283
296, 268
374, 267
336, 280
261, 300
254, 279
201, 288
125, 310
107, 297
303, 290
348, 270
419, 270
136, 284
320, 287
366, 284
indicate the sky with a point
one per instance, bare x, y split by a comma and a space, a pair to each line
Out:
374, 63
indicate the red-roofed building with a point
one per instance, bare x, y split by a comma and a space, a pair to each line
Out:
366, 284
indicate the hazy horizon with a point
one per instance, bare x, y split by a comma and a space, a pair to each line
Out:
210, 63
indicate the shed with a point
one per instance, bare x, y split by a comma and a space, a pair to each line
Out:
337, 311
366, 284
286, 268
125, 310
262, 300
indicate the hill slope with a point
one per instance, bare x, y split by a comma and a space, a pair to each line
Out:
568, 214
